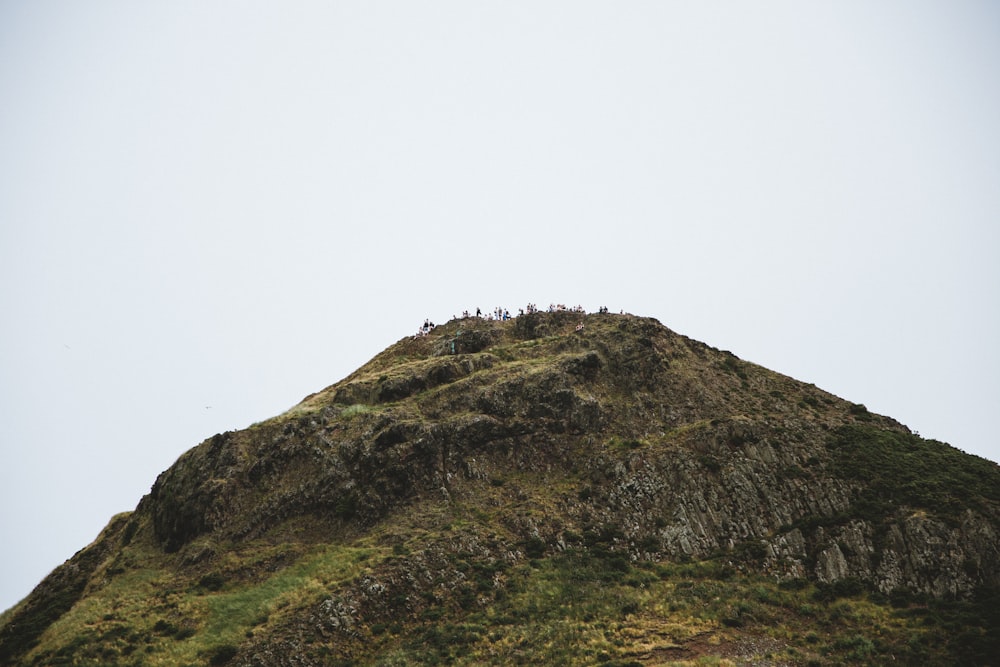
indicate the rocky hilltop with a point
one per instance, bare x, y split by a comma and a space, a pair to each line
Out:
559, 488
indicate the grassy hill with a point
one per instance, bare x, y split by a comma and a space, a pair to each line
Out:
540, 492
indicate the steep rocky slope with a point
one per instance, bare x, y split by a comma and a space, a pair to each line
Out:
534, 491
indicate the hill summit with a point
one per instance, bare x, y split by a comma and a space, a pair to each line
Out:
557, 488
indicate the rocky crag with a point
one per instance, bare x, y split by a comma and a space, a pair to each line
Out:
537, 491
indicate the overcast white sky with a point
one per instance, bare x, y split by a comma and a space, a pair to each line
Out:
210, 209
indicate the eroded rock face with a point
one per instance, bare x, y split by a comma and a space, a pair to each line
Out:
677, 449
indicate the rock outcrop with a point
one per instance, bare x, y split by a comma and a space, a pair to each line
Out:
619, 438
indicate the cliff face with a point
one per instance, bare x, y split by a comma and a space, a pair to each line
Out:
465, 455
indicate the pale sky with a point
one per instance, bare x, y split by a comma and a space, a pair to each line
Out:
209, 210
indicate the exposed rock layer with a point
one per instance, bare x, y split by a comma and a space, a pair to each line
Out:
687, 450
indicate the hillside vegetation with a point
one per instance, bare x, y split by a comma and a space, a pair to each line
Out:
534, 492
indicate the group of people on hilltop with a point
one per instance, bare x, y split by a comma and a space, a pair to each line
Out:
561, 308
425, 329
501, 314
